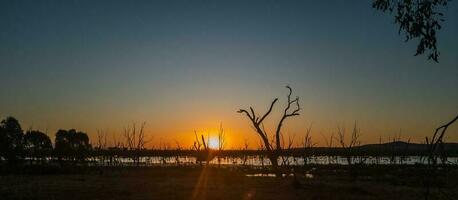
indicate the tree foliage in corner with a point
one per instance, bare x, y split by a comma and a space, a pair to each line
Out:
418, 19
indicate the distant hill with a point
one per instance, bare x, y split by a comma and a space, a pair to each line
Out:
386, 149
405, 145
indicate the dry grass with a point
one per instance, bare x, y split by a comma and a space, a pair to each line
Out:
196, 183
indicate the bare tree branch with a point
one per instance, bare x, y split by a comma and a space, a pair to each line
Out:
257, 124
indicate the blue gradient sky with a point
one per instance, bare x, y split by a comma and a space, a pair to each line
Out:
182, 65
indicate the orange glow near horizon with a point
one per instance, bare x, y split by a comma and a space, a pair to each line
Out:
175, 132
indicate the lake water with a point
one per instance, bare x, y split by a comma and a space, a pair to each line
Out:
263, 161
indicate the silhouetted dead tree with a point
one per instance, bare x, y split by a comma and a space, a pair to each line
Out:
404, 153
394, 148
437, 140
164, 147
434, 151
115, 148
351, 144
221, 142
202, 149
329, 144
102, 145
286, 154
307, 145
257, 123
245, 148
135, 140
196, 146
101, 139
178, 149
379, 151
116, 142
221, 138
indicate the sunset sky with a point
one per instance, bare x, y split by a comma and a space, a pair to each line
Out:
182, 66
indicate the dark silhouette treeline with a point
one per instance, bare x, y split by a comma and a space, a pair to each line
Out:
73, 147
36, 146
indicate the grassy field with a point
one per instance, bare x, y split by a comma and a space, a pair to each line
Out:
214, 183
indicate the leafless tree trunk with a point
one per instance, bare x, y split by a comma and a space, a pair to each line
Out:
257, 123
329, 144
437, 140
117, 146
221, 143
307, 145
201, 154
379, 151
354, 141
164, 147
395, 149
405, 151
245, 149
177, 157
101, 139
434, 147
286, 154
135, 140
197, 145
102, 145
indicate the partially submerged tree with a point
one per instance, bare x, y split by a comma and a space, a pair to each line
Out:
201, 147
245, 149
329, 145
292, 109
394, 147
435, 142
287, 153
177, 150
221, 142
307, 145
164, 147
349, 145
135, 140
101, 146
102, 140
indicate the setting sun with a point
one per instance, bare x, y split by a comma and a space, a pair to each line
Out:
213, 143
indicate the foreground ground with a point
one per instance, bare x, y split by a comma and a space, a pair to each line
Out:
214, 183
